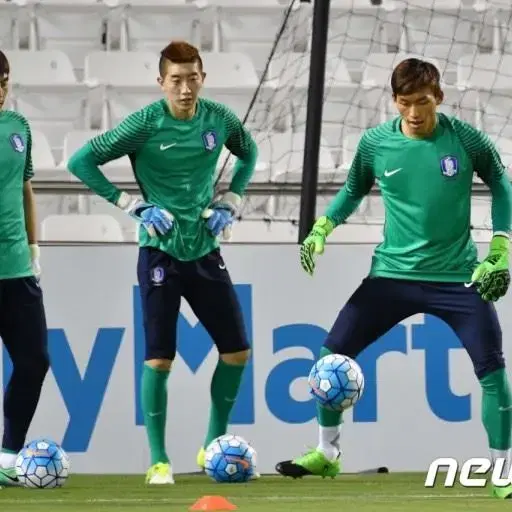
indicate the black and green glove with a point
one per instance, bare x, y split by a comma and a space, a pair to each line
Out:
492, 276
314, 243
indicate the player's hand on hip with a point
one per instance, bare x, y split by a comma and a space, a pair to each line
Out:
492, 276
34, 257
314, 244
221, 214
156, 220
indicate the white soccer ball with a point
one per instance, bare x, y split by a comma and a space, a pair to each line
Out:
230, 458
42, 464
336, 382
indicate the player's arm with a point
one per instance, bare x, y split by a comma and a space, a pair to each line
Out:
242, 145
359, 182
492, 276
219, 216
124, 139
29, 207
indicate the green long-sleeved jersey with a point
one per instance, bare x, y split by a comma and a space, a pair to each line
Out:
426, 189
174, 162
15, 169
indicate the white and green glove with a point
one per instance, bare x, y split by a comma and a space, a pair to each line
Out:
314, 243
492, 276
34, 258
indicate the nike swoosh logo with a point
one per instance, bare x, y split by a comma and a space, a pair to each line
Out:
468, 285
390, 173
222, 267
153, 414
503, 409
163, 147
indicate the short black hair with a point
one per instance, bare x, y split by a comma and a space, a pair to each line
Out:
412, 75
4, 65
179, 52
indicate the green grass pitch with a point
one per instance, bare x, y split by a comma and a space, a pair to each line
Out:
347, 493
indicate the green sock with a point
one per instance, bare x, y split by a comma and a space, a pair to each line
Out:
326, 417
224, 389
154, 407
496, 409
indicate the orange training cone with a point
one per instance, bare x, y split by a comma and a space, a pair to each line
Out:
213, 503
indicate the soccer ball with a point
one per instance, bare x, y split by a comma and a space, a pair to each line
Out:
42, 464
230, 458
336, 382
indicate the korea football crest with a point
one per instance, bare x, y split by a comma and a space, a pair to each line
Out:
157, 276
449, 166
17, 143
210, 140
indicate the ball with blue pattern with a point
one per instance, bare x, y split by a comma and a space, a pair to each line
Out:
336, 382
42, 464
230, 458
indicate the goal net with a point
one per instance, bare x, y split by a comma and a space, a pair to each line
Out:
471, 43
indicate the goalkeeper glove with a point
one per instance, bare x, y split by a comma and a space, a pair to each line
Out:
34, 257
492, 276
220, 215
156, 220
314, 243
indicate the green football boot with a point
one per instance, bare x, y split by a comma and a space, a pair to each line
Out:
502, 493
8, 478
313, 462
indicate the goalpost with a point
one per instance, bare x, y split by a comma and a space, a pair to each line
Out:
307, 137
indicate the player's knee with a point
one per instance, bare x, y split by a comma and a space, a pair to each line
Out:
159, 364
490, 365
237, 358
34, 366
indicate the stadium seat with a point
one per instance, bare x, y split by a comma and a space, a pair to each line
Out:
127, 82
9, 25
45, 90
149, 25
283, 155
489, 79
76, 27
230, 79
356, 28
80, 228
289, 81
43, 161
251, 28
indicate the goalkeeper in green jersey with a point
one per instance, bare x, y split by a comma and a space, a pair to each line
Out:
22, 315
174, 145
424, 163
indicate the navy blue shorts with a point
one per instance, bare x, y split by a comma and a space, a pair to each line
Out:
205, 284
379, 304
22, 319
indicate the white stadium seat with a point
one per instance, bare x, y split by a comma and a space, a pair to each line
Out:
149, 25
127, 82
9, 25
76, 27
45, 90
43, 161
81, 228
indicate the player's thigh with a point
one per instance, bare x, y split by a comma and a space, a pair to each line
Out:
474, 321
376, 306
160, 293
212, 296
23, 321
